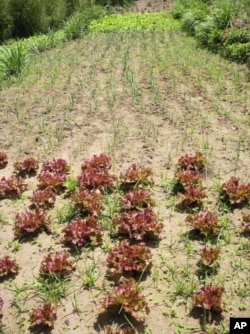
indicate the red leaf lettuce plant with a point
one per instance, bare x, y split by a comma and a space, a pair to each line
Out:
28, 166
205, 222
209, 298
189, 162
234, 193
126, 298
209, 256
87, 201
137, 199
136, 176
8, 266
3, 160
58, 263
56, 166
80, 232
192, 196
246, 221
12, 187
44, 198
129, 260
138, 225
96, 178
53, 180
101, 161
44, 315
31, 222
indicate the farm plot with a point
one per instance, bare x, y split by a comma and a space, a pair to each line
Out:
174, 121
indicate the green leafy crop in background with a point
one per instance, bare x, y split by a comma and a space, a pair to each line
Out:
148, 21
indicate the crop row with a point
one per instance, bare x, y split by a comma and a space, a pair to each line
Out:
130, 259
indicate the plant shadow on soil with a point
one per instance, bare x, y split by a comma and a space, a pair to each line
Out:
206, 317
120, 321
40, 330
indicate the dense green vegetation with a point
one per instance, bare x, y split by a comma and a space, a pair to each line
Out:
139, 21
24, 18
220, 25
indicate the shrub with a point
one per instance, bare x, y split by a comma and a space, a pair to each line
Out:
27, 16
238, 52
232, 36
6, 22
191, 19
208, 34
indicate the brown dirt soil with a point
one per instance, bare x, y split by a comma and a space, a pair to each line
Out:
144, 98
